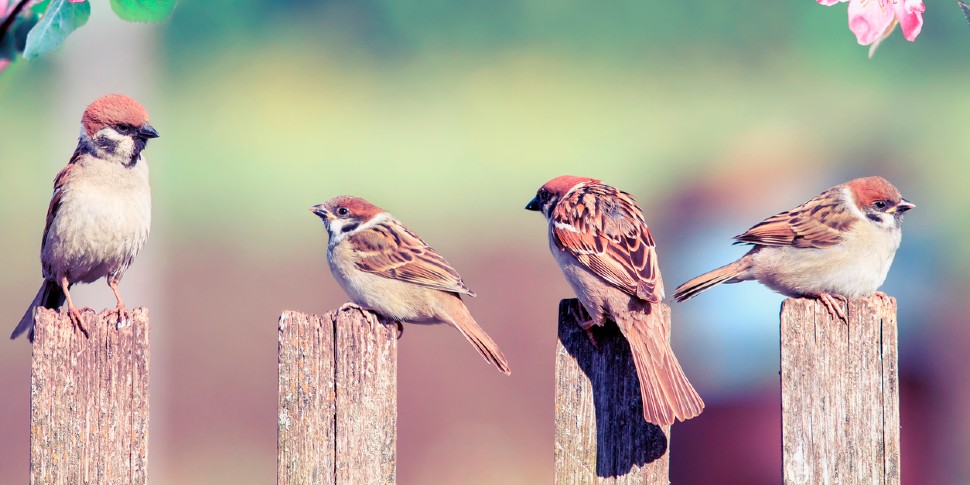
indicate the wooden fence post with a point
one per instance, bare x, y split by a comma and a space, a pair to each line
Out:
89, 399
337, 399
839, 393
601, 436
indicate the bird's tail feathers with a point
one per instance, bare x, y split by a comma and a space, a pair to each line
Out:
667, 394
463, 321
708, 280
50, 295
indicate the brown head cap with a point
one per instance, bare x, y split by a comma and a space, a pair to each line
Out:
112, 110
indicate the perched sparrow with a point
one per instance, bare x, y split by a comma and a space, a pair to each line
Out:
383, 266
599, 238
838, 245
100, 213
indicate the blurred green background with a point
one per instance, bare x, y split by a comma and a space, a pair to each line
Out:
450, 115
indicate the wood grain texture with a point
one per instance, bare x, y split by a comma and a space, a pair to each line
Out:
89, 399
337, 399
601, 436
306, 435
840, 393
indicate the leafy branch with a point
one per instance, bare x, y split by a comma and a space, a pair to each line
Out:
44, 26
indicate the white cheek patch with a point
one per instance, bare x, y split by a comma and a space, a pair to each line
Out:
886, 221
124, 146
880, 219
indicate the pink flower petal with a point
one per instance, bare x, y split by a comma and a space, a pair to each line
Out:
4, 63
3, 8
830, 2
868, 19
76, 1
910, 15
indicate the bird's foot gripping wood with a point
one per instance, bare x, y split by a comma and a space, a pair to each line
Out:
77, 318
348, 306
833, 304
370, 314
586, 322
124, 316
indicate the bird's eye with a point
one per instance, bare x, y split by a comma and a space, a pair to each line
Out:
342, 211
543, 194
879, 204
125, 129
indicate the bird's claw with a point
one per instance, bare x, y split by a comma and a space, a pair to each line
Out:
351, 306
585, 321
400, 330
124, 316
883, 296
77, 319
831, 303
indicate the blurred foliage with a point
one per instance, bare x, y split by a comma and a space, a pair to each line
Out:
143, 11
60, 19
620, 30
438, 102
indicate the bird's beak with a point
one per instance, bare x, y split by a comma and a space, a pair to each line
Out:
147, 131
903, 206
320, 212
533, 205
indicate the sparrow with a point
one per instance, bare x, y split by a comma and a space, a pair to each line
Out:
385, 267
836, 246
598, 236
100, 213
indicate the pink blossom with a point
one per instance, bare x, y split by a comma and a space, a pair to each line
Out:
873, 20
3, 14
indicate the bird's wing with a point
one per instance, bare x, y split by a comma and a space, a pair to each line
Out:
818, 223
58, 194
604, 230
391, 250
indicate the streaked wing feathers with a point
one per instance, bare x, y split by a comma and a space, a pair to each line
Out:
391, 250
604, 230
58, 194
818, 223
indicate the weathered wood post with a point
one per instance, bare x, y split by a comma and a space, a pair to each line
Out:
89, 399
839, 393
337, 399
601, 436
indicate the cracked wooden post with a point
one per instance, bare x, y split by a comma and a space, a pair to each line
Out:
337, 418
839, 393
89, 399
601, 436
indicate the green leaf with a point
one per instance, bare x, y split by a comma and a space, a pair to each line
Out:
61, 19
40, 7
143, 10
